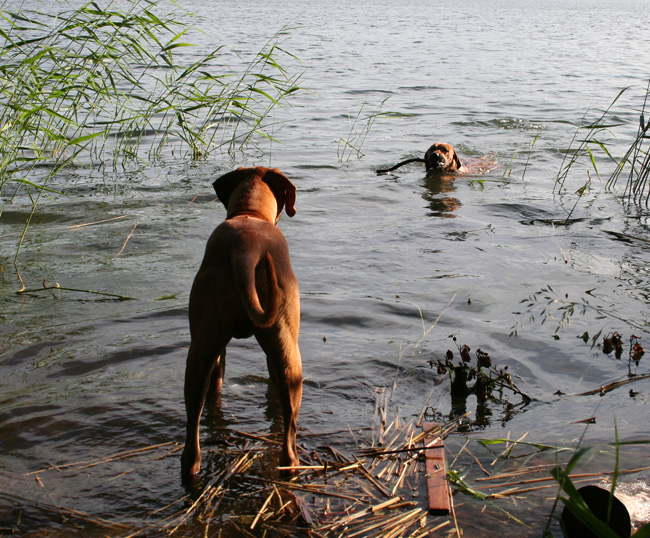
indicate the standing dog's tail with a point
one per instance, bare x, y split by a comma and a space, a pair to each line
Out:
245, 270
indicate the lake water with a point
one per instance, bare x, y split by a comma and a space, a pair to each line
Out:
379, 258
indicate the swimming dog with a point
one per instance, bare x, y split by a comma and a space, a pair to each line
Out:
439, 157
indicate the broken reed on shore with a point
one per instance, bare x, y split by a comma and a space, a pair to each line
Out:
376, 491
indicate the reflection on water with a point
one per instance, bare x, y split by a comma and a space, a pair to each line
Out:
380, 261
440, 185
439, 195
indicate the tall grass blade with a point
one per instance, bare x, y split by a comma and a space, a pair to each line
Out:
637, 157
103, 86
593, 129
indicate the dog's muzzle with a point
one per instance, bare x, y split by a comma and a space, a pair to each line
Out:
437, 161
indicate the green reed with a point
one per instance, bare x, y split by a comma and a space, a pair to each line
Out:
530, 152
355, 139
587, 139
570, 497
637, 157
103, 86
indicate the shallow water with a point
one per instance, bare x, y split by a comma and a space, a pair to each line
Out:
379, 258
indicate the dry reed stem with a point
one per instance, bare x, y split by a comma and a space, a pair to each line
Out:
398, 524
70, 226
338, 455
305, 468
550, 478
427, 532
374, 482
453, 515
159, 524
478, 462
77, 514
509, 448
92, 463
405, 467
127, 239
258, 438
424, 408
316, 489
611, 386
380, 522
84, 224
515, 473
240, 464
356, 496
575, 478
263, 508
369, 510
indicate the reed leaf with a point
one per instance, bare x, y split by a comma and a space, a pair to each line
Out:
637, 158
101, 86
356, 138
576, 153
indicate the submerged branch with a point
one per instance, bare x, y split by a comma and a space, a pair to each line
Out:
57, 287
614, 385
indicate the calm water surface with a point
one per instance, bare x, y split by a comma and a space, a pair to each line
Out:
379, 258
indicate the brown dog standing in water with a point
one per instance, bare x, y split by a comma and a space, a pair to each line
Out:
245, 286
439, 157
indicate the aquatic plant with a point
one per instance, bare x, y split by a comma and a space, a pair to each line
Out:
489, 384
576, 503
530, 152
548, 305
636, 157
99, 87
586, 143
352, 144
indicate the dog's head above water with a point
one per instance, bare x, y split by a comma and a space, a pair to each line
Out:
443, 157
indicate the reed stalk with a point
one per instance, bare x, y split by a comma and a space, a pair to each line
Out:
100, 87
581, 145
352, 144
636, 158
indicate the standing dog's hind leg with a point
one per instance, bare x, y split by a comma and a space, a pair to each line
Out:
201, 368
285, 369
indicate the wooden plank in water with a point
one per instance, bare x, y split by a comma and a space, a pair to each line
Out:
436, 471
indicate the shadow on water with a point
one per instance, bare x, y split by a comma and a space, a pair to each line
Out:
222, 433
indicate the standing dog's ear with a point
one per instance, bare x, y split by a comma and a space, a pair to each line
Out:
457, 161
283, 190
224, 185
